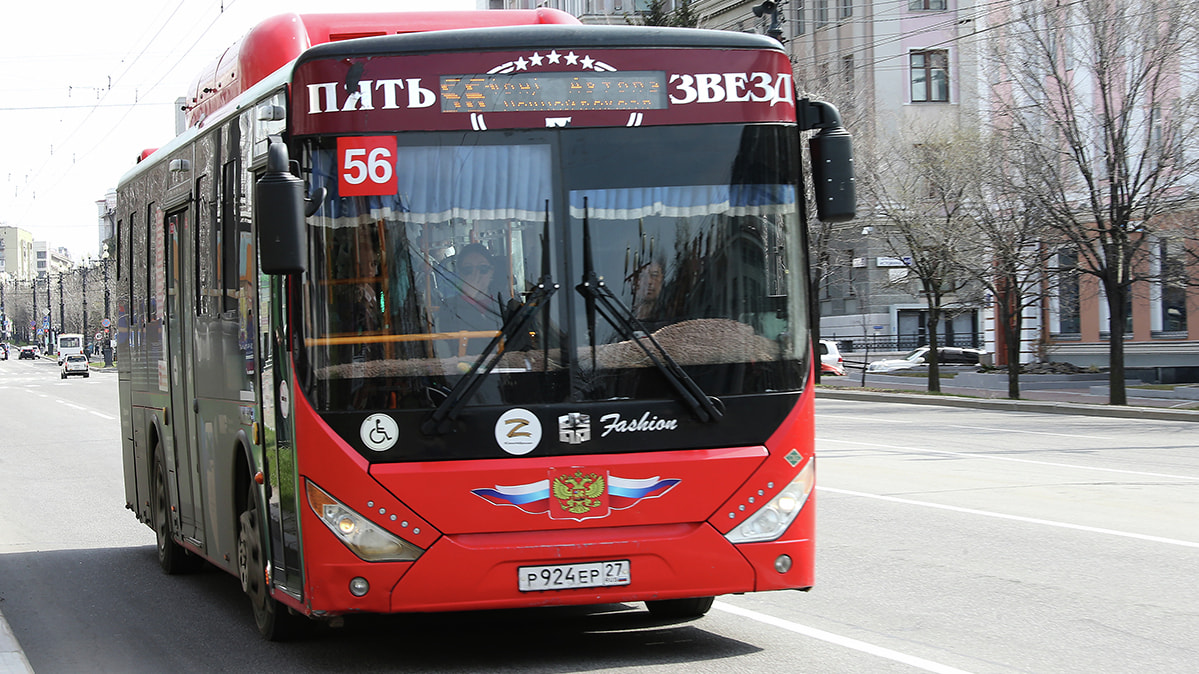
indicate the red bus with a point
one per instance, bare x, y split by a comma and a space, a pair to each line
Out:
419, 318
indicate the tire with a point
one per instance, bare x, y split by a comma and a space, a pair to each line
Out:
63, 375
275, 622
172, 557
684, 609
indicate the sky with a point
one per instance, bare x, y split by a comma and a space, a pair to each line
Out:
85, 86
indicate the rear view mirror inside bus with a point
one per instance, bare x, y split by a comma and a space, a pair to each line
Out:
279, 215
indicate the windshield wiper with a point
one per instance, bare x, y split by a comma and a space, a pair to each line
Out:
600, 298
442, 420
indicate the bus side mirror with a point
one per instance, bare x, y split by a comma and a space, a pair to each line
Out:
832, 162
279, 214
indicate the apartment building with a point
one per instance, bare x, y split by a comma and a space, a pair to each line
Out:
16, 254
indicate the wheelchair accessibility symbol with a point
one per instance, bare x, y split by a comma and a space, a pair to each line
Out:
379, 432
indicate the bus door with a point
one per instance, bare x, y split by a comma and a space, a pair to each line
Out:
283, 501
179, 319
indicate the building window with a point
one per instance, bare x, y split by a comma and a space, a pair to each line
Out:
920, 5
846, 9
930, 76
799, 17
821, 17
1069, 322
1173, 288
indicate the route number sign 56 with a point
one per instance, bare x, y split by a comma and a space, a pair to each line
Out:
366, 166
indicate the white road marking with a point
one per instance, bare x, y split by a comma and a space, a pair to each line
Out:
981, 455
1016, 518
875, 420
837, 639
1013, 430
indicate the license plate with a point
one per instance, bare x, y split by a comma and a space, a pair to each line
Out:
567, 576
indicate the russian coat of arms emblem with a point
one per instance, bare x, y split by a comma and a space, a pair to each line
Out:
579, 494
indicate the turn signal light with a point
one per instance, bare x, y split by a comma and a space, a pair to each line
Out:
773, 518
364, 538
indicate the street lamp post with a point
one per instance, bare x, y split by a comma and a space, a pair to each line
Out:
49, 316
107, 316
34, 319
62, 306
84, 284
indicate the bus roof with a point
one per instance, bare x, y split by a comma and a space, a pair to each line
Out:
277, 41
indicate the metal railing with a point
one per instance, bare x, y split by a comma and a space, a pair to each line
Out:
876, 343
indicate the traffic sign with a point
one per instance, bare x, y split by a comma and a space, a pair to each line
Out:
106, 322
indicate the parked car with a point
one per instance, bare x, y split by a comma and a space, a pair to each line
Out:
28, 353
75, 364
946, 355
831, 361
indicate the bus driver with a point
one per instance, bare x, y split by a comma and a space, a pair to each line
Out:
474, 306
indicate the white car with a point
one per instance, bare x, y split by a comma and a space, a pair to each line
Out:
75, 364
946, 355
831, 361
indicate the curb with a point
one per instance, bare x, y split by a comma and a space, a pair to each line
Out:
12, 658
1116, 411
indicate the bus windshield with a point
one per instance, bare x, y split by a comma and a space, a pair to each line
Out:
693, 231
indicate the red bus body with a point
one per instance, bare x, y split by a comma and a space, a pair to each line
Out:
675, 544
332, 440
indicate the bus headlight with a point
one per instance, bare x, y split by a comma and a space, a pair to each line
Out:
360, 535
773, 518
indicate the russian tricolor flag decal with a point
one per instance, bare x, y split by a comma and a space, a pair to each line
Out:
573, 493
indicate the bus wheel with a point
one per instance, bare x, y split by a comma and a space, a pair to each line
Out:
275, 621
680, 608
171, 556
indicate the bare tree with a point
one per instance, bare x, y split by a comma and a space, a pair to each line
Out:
1003, 249
1096, 99
921, 184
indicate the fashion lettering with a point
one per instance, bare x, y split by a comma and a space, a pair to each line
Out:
614, 424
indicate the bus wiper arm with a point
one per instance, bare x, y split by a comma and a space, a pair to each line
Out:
615, 312
442, 420
443, 417
625, 321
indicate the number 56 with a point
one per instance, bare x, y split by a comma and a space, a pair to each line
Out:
367, 166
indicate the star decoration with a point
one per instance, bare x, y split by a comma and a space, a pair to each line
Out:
522, 64
571, 59
536, 59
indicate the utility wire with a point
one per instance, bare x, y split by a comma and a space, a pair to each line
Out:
224, 5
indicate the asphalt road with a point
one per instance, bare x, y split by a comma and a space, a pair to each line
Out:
949, 540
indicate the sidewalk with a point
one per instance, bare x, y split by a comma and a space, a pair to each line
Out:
12, 659
1087, 399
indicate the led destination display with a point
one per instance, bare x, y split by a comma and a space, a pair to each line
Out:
560, 91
